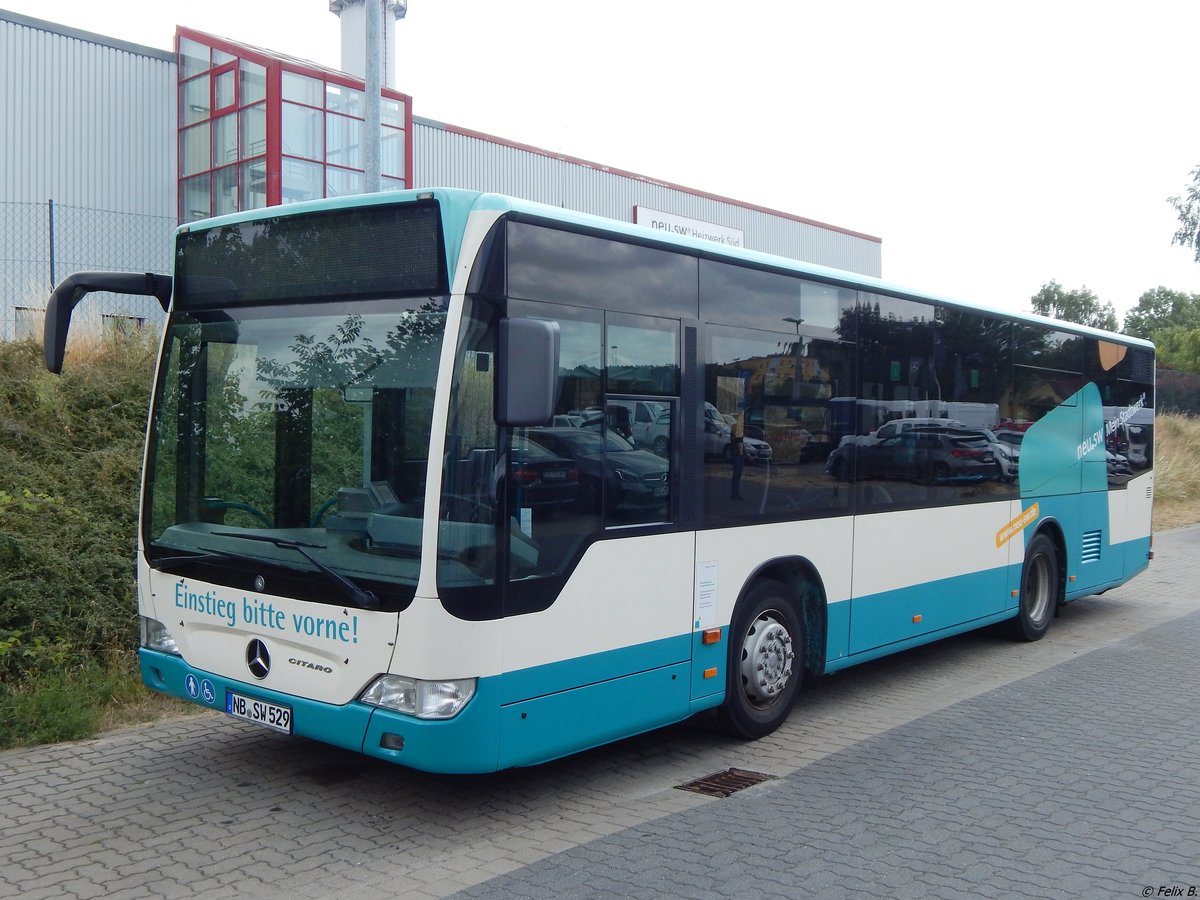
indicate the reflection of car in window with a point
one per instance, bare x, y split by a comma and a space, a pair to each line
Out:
539, 478
818, 447
657, 435
638, 415
897, 426
1117, 465
1139, 443
1007, 455
930, 456
632, 478
718, 438
616, 419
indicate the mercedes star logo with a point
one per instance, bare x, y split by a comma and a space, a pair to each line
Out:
258, 659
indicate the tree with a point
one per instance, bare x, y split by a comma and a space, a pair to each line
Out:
1080, 306
1162, 308
1178, 347
1187, 206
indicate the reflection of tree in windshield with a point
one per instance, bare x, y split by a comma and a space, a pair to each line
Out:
262, 421
314, 379
348, 357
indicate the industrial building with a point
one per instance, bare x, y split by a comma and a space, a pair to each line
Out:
109, 145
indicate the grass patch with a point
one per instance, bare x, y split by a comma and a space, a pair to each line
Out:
68, 703
1176, 470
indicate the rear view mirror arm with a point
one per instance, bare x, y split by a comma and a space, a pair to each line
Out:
72, 289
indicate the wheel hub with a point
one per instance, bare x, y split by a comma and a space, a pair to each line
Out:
767, 655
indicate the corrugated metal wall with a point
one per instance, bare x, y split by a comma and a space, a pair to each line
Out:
88, 123
447, 158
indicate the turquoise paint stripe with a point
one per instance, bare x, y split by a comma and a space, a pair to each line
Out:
600, 702
1117, 565
540, 730
886, 619
545, 712
342, 726
837, 631
468, 744
551, 678
489, 735
1137, 555
899, 646
1087, 514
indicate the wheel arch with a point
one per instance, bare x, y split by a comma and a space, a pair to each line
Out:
1052, 529
809, 598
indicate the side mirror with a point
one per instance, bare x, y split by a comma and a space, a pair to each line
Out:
75, 287
526, 372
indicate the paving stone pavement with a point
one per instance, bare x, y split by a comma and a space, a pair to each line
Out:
1069, 767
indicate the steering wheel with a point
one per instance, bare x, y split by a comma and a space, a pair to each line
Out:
217, 503
467, 508
325, 507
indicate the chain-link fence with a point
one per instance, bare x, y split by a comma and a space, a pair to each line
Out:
43, 243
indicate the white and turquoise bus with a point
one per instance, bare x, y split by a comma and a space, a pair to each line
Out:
388, 501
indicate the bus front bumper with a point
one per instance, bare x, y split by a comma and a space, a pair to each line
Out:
466, 744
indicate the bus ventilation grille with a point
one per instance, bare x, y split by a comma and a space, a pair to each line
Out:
1091, 546
722, 784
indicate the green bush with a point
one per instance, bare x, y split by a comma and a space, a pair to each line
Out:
70, 452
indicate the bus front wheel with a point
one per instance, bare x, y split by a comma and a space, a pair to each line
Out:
766, 662
1041, 587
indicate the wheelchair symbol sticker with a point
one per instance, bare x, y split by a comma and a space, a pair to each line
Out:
208, 691
192, 685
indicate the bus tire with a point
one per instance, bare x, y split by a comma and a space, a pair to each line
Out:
1041, 589
766, 662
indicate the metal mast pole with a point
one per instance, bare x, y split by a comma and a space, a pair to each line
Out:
373, 82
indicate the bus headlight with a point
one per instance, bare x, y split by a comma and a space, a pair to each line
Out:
423, 699
156, 637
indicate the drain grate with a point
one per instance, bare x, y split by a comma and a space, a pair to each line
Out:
722, 784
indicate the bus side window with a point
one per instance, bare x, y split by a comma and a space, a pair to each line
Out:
553, 474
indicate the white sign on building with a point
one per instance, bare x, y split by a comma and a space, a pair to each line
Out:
682, 225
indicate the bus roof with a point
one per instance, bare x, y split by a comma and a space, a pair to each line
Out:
465, 201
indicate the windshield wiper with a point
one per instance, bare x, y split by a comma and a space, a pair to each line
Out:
361, 598
205, 555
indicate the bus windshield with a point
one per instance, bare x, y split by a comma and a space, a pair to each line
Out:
299, 424
290, 437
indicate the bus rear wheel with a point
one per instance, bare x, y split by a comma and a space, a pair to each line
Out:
1041, 588
766, 662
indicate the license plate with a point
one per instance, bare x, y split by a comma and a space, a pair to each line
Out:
555, 474
260, 712
661, 490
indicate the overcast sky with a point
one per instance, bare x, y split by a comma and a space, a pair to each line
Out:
993, 147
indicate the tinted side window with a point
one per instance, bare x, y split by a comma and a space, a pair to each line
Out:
641, 354
736, 295
972, 362
1125, 378
623, 471
585, 270
771, 413
935, 377
1048, 368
